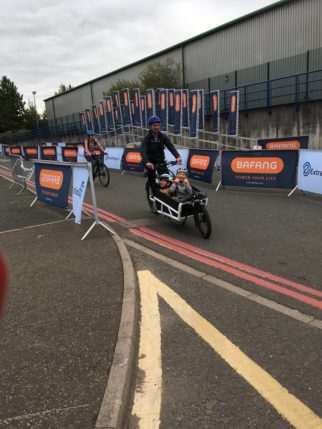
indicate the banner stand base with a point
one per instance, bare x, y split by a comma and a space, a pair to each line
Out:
218, 186
83, 211
98, 223
293, 190
33, 202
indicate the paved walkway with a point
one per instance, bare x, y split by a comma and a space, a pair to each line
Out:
62, 316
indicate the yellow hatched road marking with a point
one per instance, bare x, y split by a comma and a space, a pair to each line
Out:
286, 404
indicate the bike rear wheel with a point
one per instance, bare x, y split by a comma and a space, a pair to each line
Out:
202, 220
104, 175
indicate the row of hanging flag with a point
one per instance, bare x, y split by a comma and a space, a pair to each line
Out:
180, 108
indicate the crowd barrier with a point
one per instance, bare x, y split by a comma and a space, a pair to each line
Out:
20, 172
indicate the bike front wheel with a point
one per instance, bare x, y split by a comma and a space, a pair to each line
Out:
104, 175
202, 220
150, 198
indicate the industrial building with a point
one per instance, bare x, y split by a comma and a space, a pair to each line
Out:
273, 56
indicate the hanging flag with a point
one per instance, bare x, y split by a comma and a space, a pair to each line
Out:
117, 112
233, 113
201, 124
143, 111
126, 106
95, 119
101, 117
109, 113
150, 109
194, 113
163, 94
83, 121
137, 108
178, 112
89, 121
215, 110
171, 106
185, 108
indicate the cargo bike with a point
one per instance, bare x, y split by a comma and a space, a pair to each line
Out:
194, 205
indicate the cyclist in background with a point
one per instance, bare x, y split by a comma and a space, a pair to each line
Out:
152, 149
92, 145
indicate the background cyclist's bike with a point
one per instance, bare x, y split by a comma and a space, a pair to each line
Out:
100, 170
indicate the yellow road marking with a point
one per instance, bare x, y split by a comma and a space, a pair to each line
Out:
286, 404
147, 398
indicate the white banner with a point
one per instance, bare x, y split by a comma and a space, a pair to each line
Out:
309, 172
114, 157
80, 179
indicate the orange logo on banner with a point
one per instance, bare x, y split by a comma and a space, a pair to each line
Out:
199, 161
283, 145
215, 102
70, 153
15, 151
134, 157
194, 103
31, 151
52, 179
233, 104
136, 98
142, 104
101, 109
257, 165
49, 151
171, 99
108, 105
95, 111
149, 101
177, 106
199, 101
116, 100
162, 101
184, 99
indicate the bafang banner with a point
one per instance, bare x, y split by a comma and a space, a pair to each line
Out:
163, 95
89, 121
101, 117
177, 112
117, 112
201, 164
143, 110
31, 152
137, 114
52, 183
233, 113
69, 154
201, 123
49, 153
82, 120
126, 114
109, 113
185, 108
171, 106
285, 143
132, 160
194, 113
264, 169
215, 110
97, 128
149, 103
15, 150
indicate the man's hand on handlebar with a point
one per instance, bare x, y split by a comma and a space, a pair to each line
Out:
149, 166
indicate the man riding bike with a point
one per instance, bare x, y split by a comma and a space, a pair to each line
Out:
152, 150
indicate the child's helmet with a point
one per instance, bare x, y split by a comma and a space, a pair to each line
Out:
182, 170
166, 176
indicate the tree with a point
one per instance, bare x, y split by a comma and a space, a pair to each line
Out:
122, 84
11, 106
29, 118
161, 75
63, 88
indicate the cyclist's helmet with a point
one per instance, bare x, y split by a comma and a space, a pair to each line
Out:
166, 176
154, 120
91, 133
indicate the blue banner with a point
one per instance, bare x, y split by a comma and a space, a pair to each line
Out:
69, 154
150, 103
177, 112
285, 143
52, 183
143, 111
264, 169
95, 119
117, 112
201, 164
185, 108
48, 153
233, 113
82, 120
157, 101
163, 94
89, 121
137, 117
126, 107
201, 123
171, 106
194, 113
215, 110
101, 117
109, 113
132, 160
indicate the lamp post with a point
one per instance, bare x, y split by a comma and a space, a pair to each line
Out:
34, 94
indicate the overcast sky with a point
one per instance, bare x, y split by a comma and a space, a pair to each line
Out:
44, 43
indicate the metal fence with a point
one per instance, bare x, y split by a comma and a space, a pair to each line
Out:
293, 89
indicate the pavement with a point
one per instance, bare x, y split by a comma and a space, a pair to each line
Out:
67, 335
